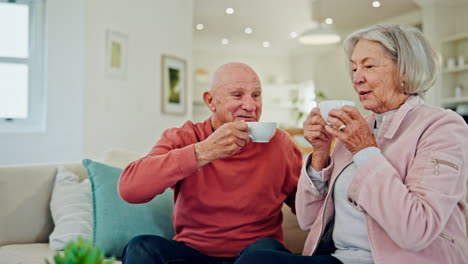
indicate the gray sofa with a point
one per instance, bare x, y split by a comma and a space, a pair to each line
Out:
25, 218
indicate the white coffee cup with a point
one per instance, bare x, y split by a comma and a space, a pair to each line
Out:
261, 132
328, 105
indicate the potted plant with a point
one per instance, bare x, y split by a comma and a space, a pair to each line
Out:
80, 252
298, 111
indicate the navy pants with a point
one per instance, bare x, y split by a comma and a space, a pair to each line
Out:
277, 257
150, 249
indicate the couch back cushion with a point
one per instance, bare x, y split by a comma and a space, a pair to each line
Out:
25, 192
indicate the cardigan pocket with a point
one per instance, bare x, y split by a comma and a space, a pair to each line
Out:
446, 237
440, 162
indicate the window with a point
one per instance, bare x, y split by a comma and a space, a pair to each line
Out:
22, 100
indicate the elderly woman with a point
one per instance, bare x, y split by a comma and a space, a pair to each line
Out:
393, 189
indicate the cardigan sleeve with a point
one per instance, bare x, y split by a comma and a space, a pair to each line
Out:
309, 199
413, 207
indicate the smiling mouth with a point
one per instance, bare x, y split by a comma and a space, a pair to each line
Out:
246, 118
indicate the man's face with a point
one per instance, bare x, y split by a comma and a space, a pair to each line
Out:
236, 96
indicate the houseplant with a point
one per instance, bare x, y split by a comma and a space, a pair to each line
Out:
80, 252
300, 104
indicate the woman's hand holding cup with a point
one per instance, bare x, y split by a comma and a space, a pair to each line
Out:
318, 137
350, 127
314, 131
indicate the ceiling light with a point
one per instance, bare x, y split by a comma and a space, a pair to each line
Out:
376, 3
293, 34
248, 30
200, 26
319, 36
266, 44
229, 10
328, 20
224, 41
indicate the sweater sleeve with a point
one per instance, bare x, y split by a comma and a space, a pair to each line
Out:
170, 160
293, 171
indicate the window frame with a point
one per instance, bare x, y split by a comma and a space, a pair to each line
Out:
35, 122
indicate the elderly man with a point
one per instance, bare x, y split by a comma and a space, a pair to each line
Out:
228, 190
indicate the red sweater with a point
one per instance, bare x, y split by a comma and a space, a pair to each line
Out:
224, 206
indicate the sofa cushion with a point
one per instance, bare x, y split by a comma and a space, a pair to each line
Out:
25, 192
115, 221
120, 157
294, 237
71, 206
28, 254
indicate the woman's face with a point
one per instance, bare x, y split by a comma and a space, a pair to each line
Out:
375, 77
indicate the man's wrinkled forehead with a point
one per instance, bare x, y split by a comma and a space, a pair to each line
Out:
235, 75
235, 85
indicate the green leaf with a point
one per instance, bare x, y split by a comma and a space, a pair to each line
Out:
81, 252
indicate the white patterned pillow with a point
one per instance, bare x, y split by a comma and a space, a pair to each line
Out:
71, 206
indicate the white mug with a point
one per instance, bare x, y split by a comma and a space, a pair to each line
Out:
451, 63
326, 106
461, 61
261, 132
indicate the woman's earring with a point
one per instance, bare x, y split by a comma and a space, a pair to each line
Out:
402, 84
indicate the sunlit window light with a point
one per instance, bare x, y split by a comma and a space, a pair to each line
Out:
14, 39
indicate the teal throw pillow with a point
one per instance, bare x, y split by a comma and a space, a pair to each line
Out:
116, 221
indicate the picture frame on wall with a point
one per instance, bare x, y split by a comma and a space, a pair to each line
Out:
174, 85
116, 54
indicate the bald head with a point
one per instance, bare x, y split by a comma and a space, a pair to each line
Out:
233, 73
235, 95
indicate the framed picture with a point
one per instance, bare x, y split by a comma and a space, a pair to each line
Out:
174, 85
116, 54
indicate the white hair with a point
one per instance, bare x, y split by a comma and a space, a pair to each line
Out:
414, 57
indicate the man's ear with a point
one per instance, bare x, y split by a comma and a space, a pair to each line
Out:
208, 98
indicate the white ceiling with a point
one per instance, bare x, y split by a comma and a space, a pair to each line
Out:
273, 20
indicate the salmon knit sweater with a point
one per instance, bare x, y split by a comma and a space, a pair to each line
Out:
224, 206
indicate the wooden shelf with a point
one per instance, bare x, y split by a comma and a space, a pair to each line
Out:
455, 100
456, 69
456, 37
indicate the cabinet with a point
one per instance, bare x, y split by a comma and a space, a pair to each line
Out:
455, 70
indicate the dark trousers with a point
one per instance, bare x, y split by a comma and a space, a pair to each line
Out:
150, 249
277, 257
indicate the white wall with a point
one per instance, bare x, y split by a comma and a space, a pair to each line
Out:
62, 140
272, 68
87, 112
326, 66
127, 113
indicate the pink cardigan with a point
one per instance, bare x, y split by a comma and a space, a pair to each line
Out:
412, 195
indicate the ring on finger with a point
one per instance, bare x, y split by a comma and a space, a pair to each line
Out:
342, 127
